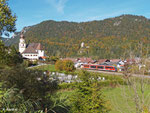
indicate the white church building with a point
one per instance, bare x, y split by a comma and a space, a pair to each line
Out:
32, 51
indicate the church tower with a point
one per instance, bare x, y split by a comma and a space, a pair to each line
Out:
22, 44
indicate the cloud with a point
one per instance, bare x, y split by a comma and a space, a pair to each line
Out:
58, 4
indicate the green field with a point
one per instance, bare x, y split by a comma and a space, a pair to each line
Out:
120, 98
48, 67
51, 68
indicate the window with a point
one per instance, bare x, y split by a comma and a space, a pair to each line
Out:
109, 67
100, 67
93, 66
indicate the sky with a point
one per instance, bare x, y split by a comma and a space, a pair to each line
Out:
31, 12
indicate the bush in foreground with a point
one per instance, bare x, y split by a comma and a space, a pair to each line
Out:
32, 85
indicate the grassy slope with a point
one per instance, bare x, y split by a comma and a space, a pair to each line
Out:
120, 99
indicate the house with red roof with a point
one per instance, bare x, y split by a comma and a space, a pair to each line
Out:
85, 60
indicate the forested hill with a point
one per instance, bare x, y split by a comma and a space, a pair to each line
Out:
109, 38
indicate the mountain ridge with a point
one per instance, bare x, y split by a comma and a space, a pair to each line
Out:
63, 38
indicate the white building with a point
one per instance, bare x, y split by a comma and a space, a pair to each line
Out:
82, 44
33, 51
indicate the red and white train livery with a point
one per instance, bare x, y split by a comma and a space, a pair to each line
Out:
99, 67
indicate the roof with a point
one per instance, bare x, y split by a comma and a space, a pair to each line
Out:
36, 46
115, 60
102, 60
30, 49
85, 60
43, 57
33, 47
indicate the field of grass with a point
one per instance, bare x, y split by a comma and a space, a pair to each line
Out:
120, 99
49, 67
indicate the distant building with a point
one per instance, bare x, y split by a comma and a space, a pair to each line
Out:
82, 44
33, 51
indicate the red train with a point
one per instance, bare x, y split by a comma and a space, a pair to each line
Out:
100, 67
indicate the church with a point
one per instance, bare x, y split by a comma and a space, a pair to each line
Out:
32, 51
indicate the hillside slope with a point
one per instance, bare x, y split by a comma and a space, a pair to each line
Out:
109, 38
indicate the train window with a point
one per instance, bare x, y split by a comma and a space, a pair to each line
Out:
93, 66
100, 67
109, 67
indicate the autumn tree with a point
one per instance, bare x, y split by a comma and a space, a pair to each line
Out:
136, 88
59, 65
138, 83
68, 66
65, 65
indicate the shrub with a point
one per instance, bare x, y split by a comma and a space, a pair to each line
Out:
67, 85
68, 66
59, 65
65, 65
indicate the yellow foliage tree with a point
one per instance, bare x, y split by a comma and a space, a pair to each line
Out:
64, 65
59, 65
68, 66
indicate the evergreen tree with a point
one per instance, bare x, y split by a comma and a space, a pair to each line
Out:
88, 97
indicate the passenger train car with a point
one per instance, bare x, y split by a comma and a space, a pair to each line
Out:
100, 67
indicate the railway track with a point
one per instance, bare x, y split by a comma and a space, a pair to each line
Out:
117, 73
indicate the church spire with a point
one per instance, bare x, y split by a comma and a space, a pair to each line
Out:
22, 34
22, 44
